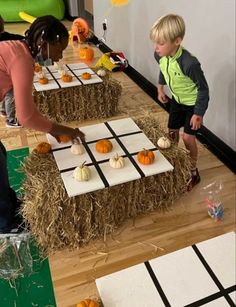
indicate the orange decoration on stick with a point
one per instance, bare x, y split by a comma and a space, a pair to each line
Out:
88, 303
86, 76
43, 148
64, 138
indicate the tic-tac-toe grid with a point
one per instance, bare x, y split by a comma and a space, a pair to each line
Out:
199, 275
54, 78
127, 140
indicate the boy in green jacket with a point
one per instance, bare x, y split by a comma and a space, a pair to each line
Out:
182, 73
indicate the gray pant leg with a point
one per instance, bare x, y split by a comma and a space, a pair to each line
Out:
10, 105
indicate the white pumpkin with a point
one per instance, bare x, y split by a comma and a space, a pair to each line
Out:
101, 72
117, 161
82, 173
77, 149
164, 142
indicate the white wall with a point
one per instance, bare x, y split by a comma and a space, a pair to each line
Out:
210, 36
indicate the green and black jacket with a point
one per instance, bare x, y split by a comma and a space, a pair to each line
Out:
185, 78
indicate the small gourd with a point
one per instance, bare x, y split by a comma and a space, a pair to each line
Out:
77, 149
43, 80
66, 78
117, 161
86, 76
163, 142
82, 173
146, 157
104, 146
63, 138
43, 148
101, 72
37, 68
86, 53
88, 303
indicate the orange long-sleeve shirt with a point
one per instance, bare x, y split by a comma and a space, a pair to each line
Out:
17, 71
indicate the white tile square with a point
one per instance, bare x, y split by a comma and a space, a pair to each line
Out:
116, 176
47, 75
79, 72
53, 68
55, 144
94, 79
183, 277
220, 302
66, 159
74, 187
219, 253
123, 126
74, 82
160, 165
132, 287
233, 296
95, 132
51, 85
57, 74
103, 156
136, 142
77, 66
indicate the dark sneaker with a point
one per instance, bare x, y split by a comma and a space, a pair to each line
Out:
195, 179
13, 124
3, 114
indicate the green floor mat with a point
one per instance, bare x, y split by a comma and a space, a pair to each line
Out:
35, 290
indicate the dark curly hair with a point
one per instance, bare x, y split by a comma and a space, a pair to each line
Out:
46, 28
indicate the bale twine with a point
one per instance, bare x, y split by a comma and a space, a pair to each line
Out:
57, 221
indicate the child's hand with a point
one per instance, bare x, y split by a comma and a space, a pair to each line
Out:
196, 122
162, 97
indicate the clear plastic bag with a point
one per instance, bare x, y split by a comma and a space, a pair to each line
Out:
15, 256
212, 193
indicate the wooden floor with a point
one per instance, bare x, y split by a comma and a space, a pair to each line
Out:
146, 237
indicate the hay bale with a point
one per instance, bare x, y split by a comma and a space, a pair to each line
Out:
92, 101
58, 222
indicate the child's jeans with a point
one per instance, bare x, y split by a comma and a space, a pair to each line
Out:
8, 106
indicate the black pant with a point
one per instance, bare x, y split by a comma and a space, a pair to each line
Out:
8, 199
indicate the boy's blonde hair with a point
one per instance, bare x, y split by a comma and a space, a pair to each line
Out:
168, 28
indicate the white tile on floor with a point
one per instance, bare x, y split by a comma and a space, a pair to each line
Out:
47, 75
160, 165
103, 156
136, 142
74, 187
116, 176
77, 66
123, 126
220, 302
219, 253
54, 142
94, 79
74, 82
95, 132
182, 277
132, 287
51, 85
233, 296
79, 72
65, 159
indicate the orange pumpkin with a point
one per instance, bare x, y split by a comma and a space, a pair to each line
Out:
146, 157
104, 146
43, 148
66, 78
63, 138
86, 53
43, 80
86, 76
88, 303
37, 68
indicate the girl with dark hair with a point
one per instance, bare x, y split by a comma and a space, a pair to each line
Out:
45, 41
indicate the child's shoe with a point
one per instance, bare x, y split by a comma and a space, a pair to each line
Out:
13, 123
195, 179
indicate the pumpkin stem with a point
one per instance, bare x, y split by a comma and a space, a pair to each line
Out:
83, 164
